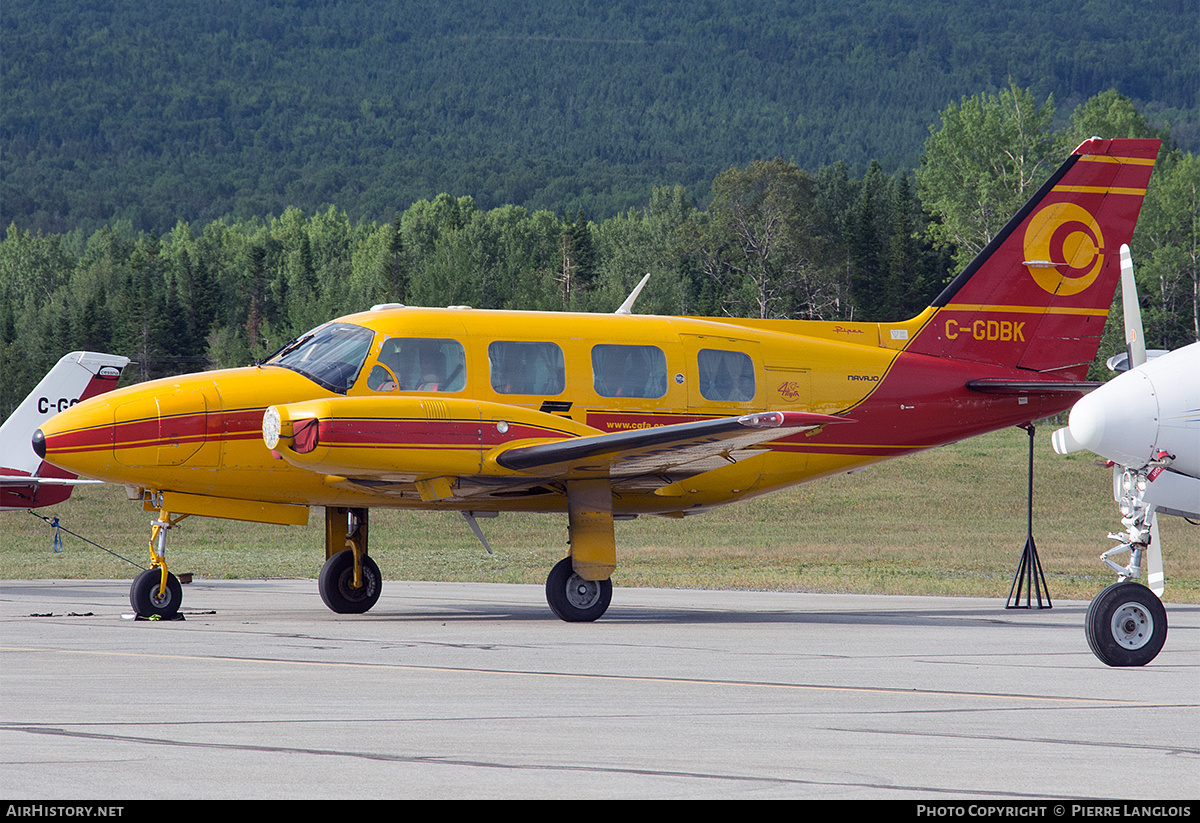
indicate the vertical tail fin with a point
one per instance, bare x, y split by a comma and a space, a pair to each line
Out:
25, 480
1038, 296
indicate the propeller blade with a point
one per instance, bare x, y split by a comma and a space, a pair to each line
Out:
1135, 342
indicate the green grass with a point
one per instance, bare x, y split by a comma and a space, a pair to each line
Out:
948, 522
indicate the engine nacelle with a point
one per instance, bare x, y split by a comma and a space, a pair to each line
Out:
1139, 414
403, 438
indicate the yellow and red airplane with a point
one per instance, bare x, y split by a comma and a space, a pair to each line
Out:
610, 416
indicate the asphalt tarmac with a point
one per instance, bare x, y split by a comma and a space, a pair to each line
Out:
476, 691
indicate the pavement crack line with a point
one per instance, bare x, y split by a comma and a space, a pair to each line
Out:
483, 764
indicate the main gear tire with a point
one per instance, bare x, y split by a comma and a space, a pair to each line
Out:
574, 599
336, 584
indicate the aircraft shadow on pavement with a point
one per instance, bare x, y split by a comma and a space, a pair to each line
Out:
1062, 616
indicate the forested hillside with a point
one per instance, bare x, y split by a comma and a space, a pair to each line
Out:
773, 241
192, 185
173, 110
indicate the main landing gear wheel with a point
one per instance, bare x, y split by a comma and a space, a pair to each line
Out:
1126, 625
149, 599
574, 599
336, 584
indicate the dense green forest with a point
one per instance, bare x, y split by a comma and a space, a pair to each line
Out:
174, 110
772, 241
193, 185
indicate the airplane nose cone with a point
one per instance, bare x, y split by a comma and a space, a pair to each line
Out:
1118, 421
39, 444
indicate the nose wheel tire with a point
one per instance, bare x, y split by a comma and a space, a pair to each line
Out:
149, 599
1126, 625
574, 599
336, 584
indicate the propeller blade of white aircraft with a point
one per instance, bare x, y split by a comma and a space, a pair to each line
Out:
1155, 578
1135, 342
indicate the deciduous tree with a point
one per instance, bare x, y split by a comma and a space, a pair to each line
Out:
982, 164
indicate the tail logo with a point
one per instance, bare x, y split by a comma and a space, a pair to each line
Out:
1064, 248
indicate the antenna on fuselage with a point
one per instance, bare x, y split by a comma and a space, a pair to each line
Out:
627, 306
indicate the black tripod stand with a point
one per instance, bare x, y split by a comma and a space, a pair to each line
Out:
1029, 573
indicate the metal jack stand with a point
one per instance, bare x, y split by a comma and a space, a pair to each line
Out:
1029, 572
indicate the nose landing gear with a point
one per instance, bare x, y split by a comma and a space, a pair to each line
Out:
156, 593
1126, 624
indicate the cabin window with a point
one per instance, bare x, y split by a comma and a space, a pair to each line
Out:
419, 364
330, 355
629, 371
526, 368
726, 375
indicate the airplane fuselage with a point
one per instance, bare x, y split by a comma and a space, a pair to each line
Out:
529, 376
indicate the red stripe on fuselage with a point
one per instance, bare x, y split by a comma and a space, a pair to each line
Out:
150, 432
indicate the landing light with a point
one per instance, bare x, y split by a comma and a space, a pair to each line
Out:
762, 420
270, 427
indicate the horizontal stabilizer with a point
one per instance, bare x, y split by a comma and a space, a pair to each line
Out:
30, 481
1120, 362
995, 386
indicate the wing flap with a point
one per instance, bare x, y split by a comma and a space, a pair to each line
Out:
660, 449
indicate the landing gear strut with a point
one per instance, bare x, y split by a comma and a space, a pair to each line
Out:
156, 592
350, 581
579, 587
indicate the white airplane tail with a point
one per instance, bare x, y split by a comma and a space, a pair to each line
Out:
26, 481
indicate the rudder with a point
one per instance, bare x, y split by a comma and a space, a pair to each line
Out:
1038, 295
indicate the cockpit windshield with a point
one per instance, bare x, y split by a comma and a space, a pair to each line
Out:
331, 355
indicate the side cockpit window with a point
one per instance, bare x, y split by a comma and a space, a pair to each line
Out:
526, 368
331, 355
419, 364
629, 371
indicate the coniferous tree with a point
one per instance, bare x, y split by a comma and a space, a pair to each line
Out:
869, 232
